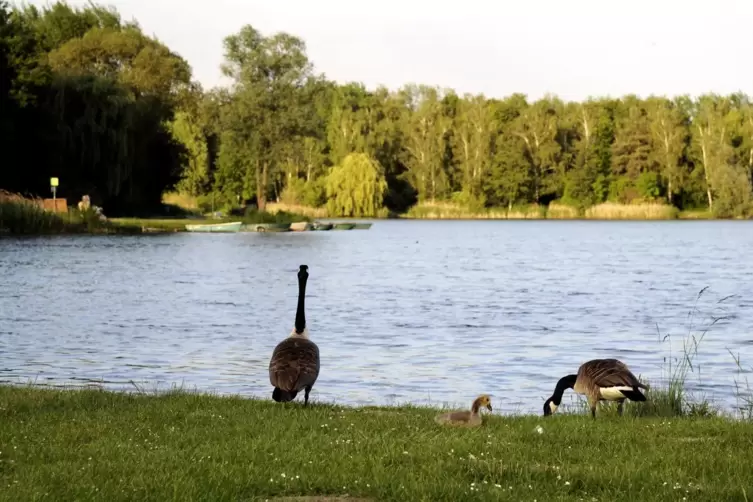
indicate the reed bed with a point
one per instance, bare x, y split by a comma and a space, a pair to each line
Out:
311, 212
646, 211
25, 215
439, 210
559, 211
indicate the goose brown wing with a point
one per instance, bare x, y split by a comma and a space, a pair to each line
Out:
609, 373
459, 416
294, 364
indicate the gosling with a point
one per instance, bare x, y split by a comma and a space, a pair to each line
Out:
466, 418
294, 365
599, 380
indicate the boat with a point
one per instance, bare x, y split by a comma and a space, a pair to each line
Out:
362, 226
234, 226
300, 226
344, 226
267, 227
318, 225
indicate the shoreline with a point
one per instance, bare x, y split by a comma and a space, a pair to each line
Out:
104, 445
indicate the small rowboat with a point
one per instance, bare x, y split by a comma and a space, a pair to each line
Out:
267, 227
318, 225
300, 226
234, 226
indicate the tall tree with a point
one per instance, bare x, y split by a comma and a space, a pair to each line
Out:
425, 133
537, 126
668, 138
269, 76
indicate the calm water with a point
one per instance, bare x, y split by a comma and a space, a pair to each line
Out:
409, 311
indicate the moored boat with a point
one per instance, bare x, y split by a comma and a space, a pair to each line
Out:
300, 226
344, 226
234, 226
362, 226
318, 225
267, 227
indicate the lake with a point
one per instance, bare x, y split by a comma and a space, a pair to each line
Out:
408, 311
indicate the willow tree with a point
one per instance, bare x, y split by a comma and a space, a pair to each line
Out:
356, 187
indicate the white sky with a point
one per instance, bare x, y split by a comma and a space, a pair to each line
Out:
572, 48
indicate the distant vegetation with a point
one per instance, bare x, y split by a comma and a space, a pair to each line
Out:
115, 114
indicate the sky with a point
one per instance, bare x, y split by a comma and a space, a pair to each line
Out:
572, 48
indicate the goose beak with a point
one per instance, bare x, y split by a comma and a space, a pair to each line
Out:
489, 406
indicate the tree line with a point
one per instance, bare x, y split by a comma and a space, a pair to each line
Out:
117, 112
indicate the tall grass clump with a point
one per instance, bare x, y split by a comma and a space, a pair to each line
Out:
21, 215
308, 211
671, 397
559, 211
644, 211
181, 200
743, 390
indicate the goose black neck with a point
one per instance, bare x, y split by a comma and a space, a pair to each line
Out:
300, 314
564, 383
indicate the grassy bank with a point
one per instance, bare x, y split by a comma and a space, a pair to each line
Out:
21, 215
25, 216
96, 445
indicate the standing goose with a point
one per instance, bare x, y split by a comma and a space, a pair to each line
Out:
295, 361
466, 418
599, 380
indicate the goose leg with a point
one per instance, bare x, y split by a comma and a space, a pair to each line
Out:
619, 406
592, 402
306, 396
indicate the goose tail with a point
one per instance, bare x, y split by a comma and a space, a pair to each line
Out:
283, 396
634, 394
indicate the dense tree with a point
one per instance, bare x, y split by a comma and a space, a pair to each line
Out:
89, 103
91, 99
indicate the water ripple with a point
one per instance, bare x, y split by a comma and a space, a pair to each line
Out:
405, 312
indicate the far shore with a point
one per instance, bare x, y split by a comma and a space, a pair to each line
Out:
27, 218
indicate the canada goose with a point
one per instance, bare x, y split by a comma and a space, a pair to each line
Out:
466, 418
295, 361
599, 380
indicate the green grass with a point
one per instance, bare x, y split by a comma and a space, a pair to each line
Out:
97, 445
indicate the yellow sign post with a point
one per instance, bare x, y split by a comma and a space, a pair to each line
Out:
54, 182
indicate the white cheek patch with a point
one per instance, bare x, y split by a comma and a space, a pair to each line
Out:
613, 393
552, 407
302, 334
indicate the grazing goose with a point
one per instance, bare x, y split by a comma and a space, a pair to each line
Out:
466, 418
295, 361
599, 380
